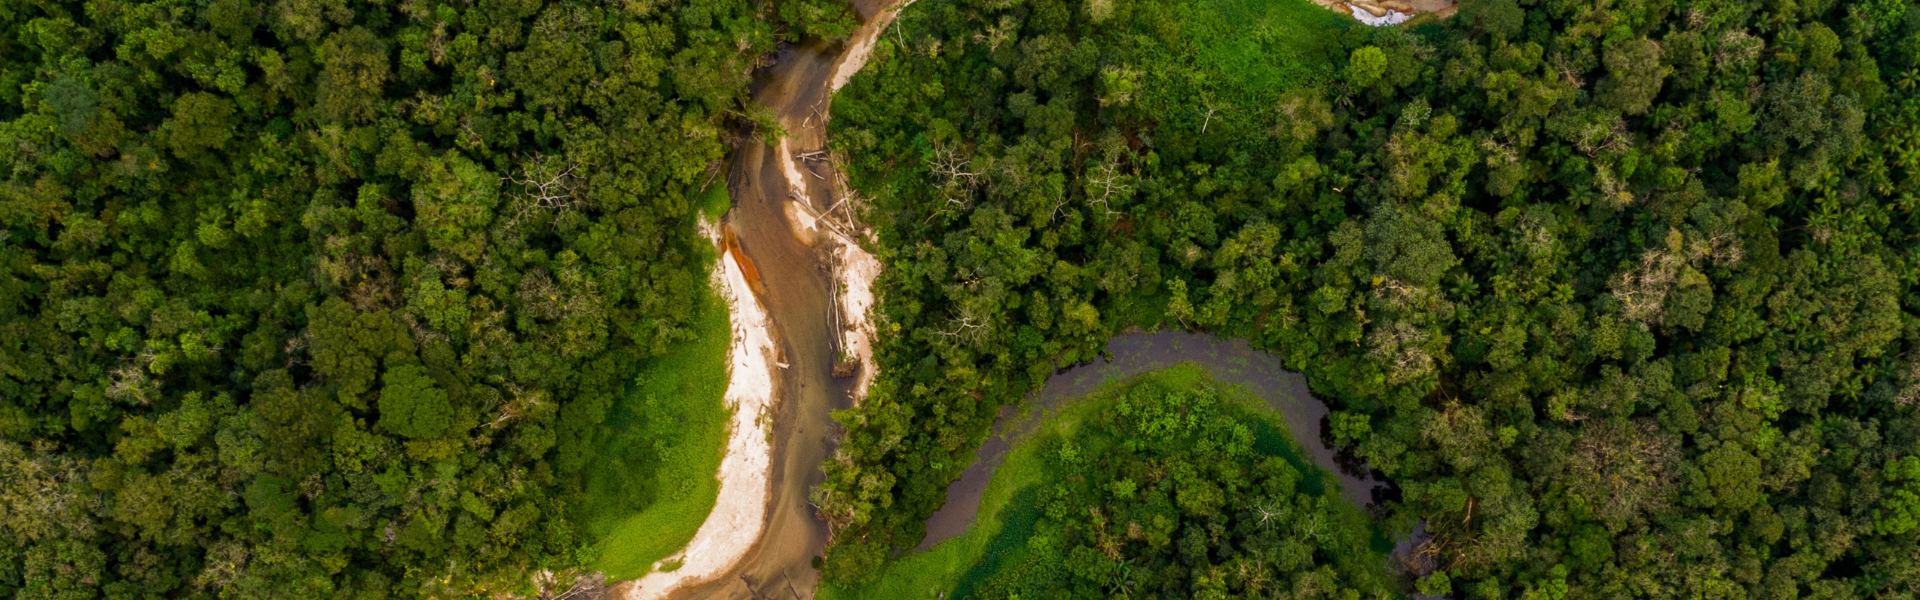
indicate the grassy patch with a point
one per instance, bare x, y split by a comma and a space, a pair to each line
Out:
1236, 57
1009, 506
714, 201
655, 478
941, 568
1007, 548
1263, 47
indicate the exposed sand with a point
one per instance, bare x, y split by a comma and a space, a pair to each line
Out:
855, 270
796, 183
804, 226
1379, 13
1388, 17
741, 510
739, 517
862, 44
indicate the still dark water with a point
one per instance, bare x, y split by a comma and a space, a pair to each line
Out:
1230, 362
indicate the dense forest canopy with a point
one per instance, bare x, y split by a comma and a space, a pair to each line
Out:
1620, 293
1165, 490
311, 298
314, 298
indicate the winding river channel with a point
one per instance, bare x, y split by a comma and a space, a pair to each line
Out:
798, 290
1230, 362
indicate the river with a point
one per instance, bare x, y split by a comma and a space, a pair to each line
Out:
798, 293
1231, 362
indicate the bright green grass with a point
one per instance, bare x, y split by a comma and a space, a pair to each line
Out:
1238, 57
714, 201
656, 477
950, 565
940, 568
1264, 45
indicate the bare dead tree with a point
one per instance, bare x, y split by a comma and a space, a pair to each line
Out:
1401, 348
129, 381
545, 185
1564, 65
1642, 292
1594, 138
996, 35
955, 175
967, 328
1500, 150
951, 165
522, 404
1910, 394
1314, 526
1105, 182
581, 587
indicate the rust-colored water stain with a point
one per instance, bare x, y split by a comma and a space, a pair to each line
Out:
732, 242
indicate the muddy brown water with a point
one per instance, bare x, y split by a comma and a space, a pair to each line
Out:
797, 290
1229, 361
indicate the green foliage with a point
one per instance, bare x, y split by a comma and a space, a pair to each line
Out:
1623, 291
1006, 515
1365, 66
200, 122
1349, 427
316, 299
1436, 584
1054, 524
1634, 73
410, 405
1213, 517
655, 479
824, 19
1899, 513
1051, 83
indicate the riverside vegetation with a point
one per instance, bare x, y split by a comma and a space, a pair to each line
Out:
1202, 473
310, 298
1620, 294
318, 299
1172, 489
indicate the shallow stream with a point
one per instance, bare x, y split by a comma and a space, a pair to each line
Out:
797, 291
1230, 362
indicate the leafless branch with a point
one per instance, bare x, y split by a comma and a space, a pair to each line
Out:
545, 185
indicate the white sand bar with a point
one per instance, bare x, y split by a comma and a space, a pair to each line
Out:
740, 513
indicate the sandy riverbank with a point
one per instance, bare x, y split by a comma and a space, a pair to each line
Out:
835, 232
1389, 12
740, 513
855, 269
816, 284
861, 44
